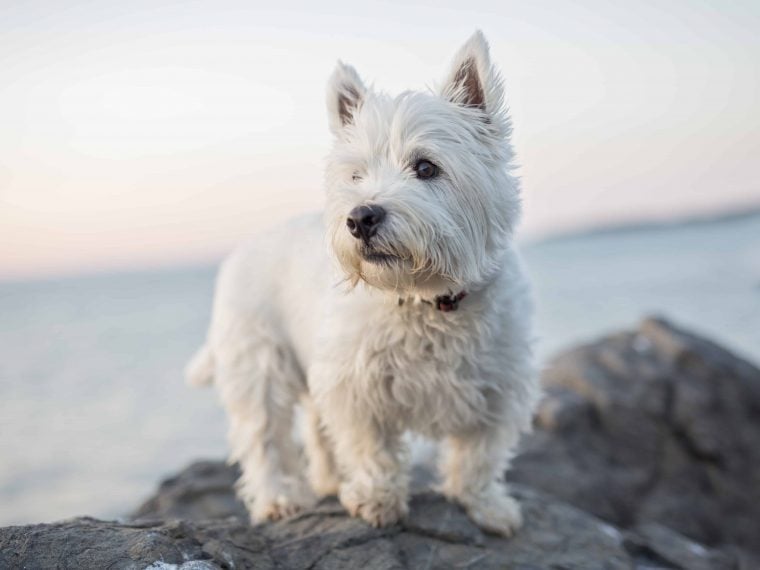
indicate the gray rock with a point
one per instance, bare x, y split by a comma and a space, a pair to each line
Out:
203, 490
655, 542
650, 430
85, 543
437, 534
652, 426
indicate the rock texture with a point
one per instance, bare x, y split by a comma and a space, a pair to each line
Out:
648, 434
652, 426
437, 534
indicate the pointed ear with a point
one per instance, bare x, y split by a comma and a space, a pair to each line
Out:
472, 80
345, 95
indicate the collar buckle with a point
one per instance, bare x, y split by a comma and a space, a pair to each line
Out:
447, 303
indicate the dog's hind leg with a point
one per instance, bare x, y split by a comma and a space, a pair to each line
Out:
322, 470
260, 382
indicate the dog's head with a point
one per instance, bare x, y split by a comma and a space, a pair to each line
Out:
420, 193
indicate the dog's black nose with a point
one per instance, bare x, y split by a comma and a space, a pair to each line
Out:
363, 221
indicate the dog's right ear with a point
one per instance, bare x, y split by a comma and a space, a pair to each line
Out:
472, 80
345, 95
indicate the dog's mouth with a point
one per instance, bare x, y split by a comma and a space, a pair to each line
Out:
376, 257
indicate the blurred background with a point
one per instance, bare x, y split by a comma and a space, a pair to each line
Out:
140, 141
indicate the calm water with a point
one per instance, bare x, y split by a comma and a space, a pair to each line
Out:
93, 410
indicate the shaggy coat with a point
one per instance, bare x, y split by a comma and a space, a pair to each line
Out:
360, 326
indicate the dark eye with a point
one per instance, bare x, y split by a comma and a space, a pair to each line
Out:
426, 169
356, 176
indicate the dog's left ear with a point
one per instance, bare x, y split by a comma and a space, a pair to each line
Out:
345, 95
472, 79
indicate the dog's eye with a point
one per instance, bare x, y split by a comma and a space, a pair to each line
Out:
356, 177
426, 169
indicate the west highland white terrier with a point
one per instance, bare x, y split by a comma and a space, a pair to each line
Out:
403, 308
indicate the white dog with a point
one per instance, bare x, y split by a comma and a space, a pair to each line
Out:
422, 325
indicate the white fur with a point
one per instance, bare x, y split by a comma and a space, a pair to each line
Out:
359, 343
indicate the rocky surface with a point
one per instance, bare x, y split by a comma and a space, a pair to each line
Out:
648, 434
437, 534
654, 425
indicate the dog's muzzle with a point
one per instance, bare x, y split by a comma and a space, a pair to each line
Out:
364, 221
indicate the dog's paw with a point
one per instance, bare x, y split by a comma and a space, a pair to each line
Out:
280, 506
378, 512
379, 506
496, 513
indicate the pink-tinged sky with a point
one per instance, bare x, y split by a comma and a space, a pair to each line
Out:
148, 133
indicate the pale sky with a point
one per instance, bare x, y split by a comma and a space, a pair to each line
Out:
148, 133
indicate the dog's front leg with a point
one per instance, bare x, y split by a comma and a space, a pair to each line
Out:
472, 469
372, 461
375, 485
